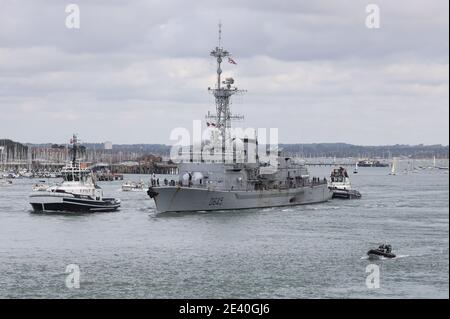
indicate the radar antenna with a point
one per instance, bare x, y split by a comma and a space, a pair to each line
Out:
220, 32
222, 94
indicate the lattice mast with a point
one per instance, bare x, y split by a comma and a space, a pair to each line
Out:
222, 93
75, 142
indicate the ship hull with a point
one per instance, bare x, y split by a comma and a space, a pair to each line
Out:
56, 203
346, 194
185, 199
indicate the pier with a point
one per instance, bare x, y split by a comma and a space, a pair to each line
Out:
329, 164
108, 177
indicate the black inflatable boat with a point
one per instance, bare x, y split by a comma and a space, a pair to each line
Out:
382, 251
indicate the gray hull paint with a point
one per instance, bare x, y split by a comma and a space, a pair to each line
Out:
183, 199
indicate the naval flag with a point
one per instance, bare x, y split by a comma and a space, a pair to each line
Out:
230, 60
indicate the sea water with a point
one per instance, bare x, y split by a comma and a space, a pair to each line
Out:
312, 251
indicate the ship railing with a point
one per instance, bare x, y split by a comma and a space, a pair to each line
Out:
315, 181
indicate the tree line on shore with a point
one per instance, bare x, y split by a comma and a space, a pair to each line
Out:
339, 150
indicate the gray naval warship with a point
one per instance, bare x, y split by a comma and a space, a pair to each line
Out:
236, 179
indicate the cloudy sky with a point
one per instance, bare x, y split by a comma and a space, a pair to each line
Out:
136, 69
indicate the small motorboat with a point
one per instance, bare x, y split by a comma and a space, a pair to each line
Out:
382, 251
133, 186
5, 182
40, 187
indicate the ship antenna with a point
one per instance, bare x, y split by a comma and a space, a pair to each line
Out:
223, 94
220, 32
74, 149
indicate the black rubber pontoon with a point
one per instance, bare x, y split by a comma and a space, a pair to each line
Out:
381, 251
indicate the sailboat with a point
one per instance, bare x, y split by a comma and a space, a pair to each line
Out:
393, 167
356, 168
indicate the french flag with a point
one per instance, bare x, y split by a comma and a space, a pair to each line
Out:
230, 60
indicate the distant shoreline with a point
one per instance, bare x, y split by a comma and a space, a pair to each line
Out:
338, 150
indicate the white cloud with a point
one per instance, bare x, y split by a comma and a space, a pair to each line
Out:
137, 69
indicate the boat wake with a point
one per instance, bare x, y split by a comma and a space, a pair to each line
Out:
384, 258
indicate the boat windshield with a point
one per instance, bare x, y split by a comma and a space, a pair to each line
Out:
339, 175
76, 176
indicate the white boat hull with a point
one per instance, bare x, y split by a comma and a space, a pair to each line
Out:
61, 202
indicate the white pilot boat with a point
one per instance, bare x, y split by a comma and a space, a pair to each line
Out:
77, 193
341, 186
